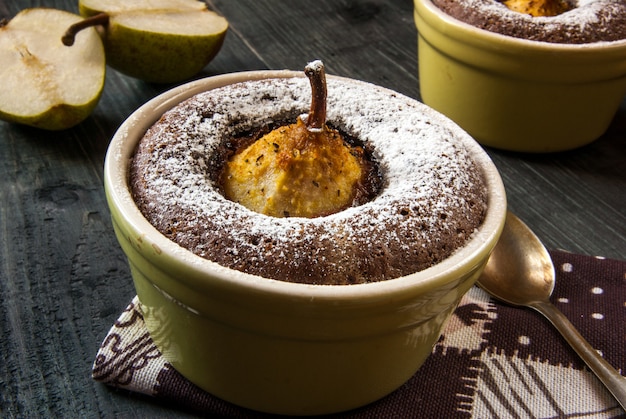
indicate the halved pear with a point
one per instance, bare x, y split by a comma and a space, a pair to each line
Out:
44, 83
160, 41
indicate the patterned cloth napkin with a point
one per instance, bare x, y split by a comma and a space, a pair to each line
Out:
492, 360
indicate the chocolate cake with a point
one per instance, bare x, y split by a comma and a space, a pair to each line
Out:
430, 201
586, 21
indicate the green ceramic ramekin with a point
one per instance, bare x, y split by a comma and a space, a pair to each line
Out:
515, 94
283, 347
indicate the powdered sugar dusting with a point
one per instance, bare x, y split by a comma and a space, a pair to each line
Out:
587, 21
432, 198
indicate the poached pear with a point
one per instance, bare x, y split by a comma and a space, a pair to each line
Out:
44, 83
304, 169
538, 8
159, 41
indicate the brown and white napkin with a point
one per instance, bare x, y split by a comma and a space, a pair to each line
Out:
492, 360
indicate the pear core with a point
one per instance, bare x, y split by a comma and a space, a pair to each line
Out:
538, 8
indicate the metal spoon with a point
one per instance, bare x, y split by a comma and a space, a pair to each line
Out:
520, 272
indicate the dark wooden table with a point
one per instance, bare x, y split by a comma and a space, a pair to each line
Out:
64, 279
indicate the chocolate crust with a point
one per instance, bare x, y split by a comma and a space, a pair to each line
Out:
431, 200
588, 22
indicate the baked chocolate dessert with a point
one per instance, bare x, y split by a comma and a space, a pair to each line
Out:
568, 21
425, 196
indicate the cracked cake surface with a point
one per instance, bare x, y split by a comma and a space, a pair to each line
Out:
431, 199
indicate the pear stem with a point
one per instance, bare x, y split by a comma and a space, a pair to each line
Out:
317, 115
101, 19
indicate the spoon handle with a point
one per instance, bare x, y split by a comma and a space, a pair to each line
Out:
613, 381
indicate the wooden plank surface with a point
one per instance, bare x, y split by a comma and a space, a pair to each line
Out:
63, 277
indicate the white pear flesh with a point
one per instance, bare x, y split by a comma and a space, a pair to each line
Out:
160, 41
119, 6
44, 83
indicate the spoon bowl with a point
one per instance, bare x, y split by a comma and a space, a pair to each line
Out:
520, 272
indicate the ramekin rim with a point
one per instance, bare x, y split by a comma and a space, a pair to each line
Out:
471, 30
118, 194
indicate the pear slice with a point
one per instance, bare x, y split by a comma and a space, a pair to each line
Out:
160, 41
44, 83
